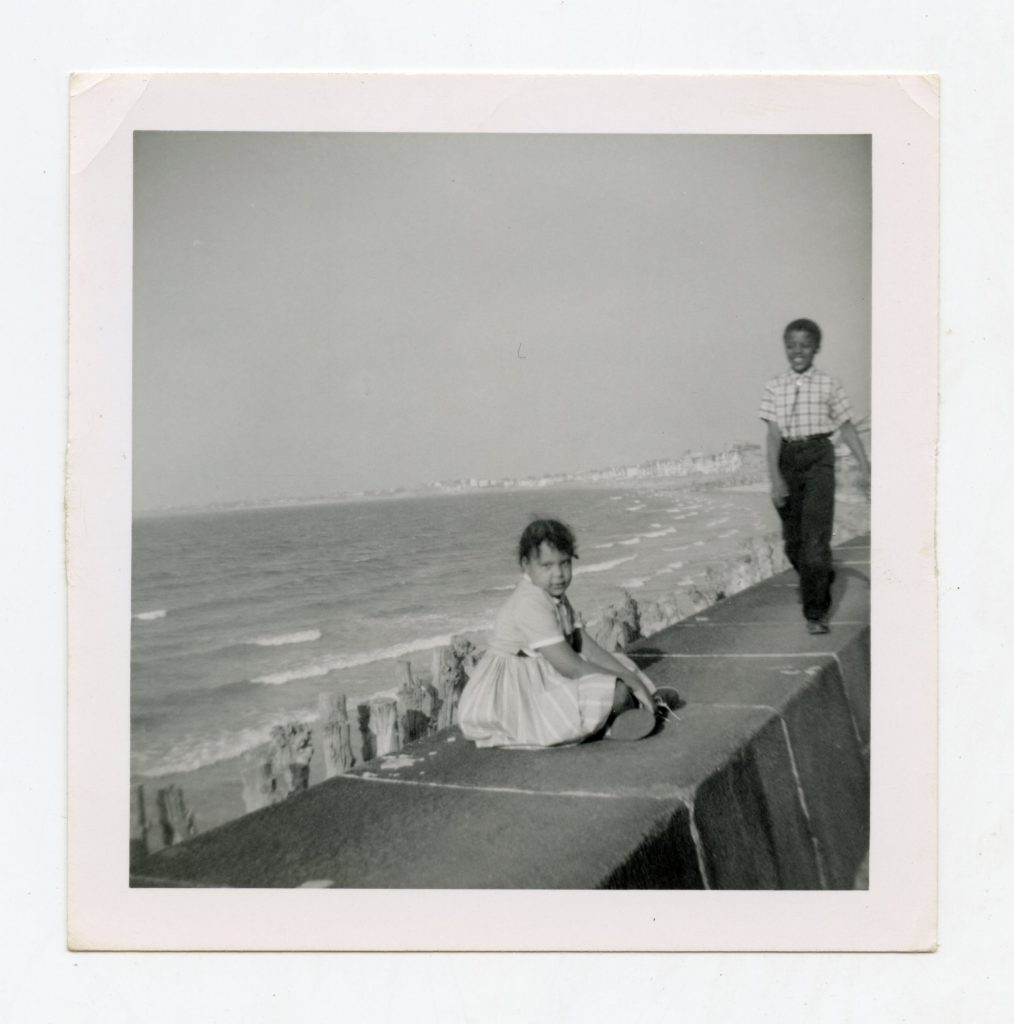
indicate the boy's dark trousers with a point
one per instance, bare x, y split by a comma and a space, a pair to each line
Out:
807, 467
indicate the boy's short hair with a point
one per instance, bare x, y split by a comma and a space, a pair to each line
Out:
803, 324
549, 531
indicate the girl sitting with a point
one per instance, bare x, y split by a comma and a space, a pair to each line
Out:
543, 681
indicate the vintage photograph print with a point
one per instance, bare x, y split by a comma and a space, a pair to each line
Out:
498, 514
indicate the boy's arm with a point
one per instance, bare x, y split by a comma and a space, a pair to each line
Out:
779, 490
850, 436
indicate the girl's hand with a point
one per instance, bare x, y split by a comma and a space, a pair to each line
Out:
641, 692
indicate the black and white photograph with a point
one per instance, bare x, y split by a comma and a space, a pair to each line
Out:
501, 512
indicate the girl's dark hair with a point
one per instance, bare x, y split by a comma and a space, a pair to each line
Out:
803, 325
549, 531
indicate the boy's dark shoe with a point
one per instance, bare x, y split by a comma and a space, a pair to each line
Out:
817, 626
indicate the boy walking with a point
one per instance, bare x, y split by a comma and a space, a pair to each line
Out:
802, 408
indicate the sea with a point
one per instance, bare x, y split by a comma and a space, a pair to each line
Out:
241, 618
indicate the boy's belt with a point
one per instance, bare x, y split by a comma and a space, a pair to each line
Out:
803, 440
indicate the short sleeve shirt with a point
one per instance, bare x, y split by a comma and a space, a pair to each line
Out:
803, 404
531, 619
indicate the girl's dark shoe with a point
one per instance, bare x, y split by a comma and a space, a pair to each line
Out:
666, 697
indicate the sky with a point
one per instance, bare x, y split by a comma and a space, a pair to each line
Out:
317, 314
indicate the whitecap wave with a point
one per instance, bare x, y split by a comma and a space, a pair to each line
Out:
601, 547
659, 533
633, 508
631, 540
200, 752
340, 661
159, 613
634, 583
602, 566
303, 636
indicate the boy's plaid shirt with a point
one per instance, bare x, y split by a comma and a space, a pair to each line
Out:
803, 404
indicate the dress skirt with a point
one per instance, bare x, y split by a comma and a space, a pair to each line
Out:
512, 700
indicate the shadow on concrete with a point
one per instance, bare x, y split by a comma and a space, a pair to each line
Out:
842, 575
645, 657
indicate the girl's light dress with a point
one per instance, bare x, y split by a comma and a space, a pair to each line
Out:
514, 697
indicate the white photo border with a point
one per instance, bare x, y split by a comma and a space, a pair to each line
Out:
898, 911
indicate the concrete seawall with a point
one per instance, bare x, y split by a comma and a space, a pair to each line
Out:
761, 783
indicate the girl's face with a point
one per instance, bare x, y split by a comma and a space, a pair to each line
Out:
550, 570
800, 348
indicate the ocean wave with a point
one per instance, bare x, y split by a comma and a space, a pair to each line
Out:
342, 661
602, 566
634, 583
631, 540
633, 508
200, 752
601, 547
659, 533
151, 616
304, 636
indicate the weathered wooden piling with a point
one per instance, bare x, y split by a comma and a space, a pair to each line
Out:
384, 725
621, 624
336, 732
291, 752
417, 704
176, 821
451, 666
258, 782
283, 768
367, 739
144, 836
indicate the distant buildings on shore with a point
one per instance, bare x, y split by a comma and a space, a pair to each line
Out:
733, 460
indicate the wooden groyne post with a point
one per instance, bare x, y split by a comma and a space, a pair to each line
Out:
417, 705
621, 624
281, 770
378, 727
337, 733
175, 821
451, 667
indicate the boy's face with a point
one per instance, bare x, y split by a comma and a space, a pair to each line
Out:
550, 570
800, 348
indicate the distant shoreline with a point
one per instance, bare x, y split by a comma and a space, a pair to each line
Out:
653, 472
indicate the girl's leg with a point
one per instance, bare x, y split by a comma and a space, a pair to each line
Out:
629, 721
623, 699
